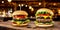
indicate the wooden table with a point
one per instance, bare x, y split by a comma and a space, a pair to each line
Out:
7, 26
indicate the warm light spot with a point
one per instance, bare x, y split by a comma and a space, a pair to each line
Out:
59, 11
30, 16
39, 3
30, 7
22, 4
9, 0
25, 5
2, 1
54, 4
19, 5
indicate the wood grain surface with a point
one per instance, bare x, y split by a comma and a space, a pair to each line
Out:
7, 25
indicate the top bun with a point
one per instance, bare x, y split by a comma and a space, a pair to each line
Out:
20, 13
46, 10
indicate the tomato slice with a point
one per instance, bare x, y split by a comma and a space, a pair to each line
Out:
43, 14
19, 16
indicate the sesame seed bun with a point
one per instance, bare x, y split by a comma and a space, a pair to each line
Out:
20, 13
46, 10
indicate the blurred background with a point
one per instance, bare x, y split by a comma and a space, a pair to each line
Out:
7, 7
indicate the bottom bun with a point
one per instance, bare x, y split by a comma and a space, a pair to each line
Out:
44, 25
20, 24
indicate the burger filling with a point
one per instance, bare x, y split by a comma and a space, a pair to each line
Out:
20, 19
43, 14
41, 20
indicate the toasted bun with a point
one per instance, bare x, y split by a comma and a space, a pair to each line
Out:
44, 25
20, 24
20, 13
45, 9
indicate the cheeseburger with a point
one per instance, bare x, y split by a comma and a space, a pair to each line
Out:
20, 18
44, 18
